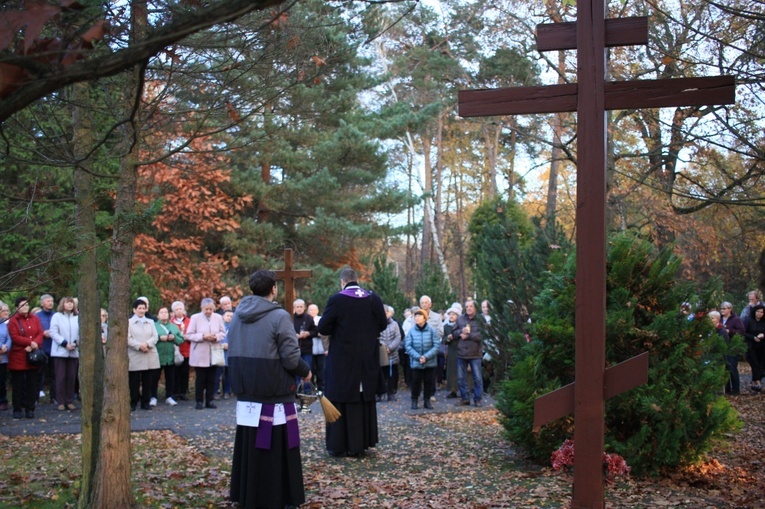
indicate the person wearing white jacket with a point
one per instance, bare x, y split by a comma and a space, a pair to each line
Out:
65, 335
143, 359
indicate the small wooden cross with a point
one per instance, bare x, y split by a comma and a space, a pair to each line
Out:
590, 97
289, 276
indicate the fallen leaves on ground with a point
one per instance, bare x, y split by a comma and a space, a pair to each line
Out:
431, 460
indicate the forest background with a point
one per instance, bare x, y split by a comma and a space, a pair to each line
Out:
331, 128
167, 149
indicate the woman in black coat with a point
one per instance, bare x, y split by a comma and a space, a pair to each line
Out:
755, 345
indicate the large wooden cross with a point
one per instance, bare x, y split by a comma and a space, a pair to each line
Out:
289, 276
590, 97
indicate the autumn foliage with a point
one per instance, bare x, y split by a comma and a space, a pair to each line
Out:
70, 45
194, 211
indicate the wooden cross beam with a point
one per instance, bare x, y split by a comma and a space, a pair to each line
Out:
590, 97
289, 276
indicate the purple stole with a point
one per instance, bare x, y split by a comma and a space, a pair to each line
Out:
355, 291
266, 424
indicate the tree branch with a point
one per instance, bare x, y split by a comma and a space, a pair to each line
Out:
55, 77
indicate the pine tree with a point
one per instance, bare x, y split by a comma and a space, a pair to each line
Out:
511, 254
671, 420
386, 283
433, 283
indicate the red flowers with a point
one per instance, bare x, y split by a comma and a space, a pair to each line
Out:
613, 464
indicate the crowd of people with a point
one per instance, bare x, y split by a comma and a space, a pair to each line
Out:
168, 343
262, 354
749, 326
433, 349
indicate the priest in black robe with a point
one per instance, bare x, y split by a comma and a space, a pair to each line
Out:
354, 319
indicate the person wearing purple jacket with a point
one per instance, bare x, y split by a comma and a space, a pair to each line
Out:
733, 325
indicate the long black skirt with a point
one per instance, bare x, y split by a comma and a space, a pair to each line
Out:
266, 479
355, 430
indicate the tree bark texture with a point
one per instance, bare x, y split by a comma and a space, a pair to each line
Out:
111, 484
91, 350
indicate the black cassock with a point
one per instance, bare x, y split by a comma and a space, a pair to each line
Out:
354, 319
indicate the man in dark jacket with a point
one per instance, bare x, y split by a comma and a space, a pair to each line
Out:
354, 319
263, 361
305, 330
468, 331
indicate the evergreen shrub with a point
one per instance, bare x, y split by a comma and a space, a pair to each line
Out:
676, 416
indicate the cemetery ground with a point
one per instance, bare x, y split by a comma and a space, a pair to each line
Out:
449, 457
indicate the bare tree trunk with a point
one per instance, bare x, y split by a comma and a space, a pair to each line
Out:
410, 241
511, 169
265, 175
491, 133
91, 352
426, 256
112, 486
552, 183
557, 151
438, 219
461, 240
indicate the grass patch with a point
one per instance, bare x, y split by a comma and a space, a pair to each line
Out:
45, 472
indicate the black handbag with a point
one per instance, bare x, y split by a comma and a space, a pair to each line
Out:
37, 357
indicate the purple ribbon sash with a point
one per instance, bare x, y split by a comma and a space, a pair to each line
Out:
266, 424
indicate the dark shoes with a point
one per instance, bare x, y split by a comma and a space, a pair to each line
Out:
145, 407
451, 395
17, 415
30, 414
181, 397
414, 404
392, 397
211, 405
3, 406
200, 405
428, 404
464, 402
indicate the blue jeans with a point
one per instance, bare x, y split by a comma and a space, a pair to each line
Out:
475, 367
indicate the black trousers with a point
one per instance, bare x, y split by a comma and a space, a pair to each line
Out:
140, 387
205, 384
26, 388
391, 378
181, 384
4, 383
423, 376
169, 381
318, 370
